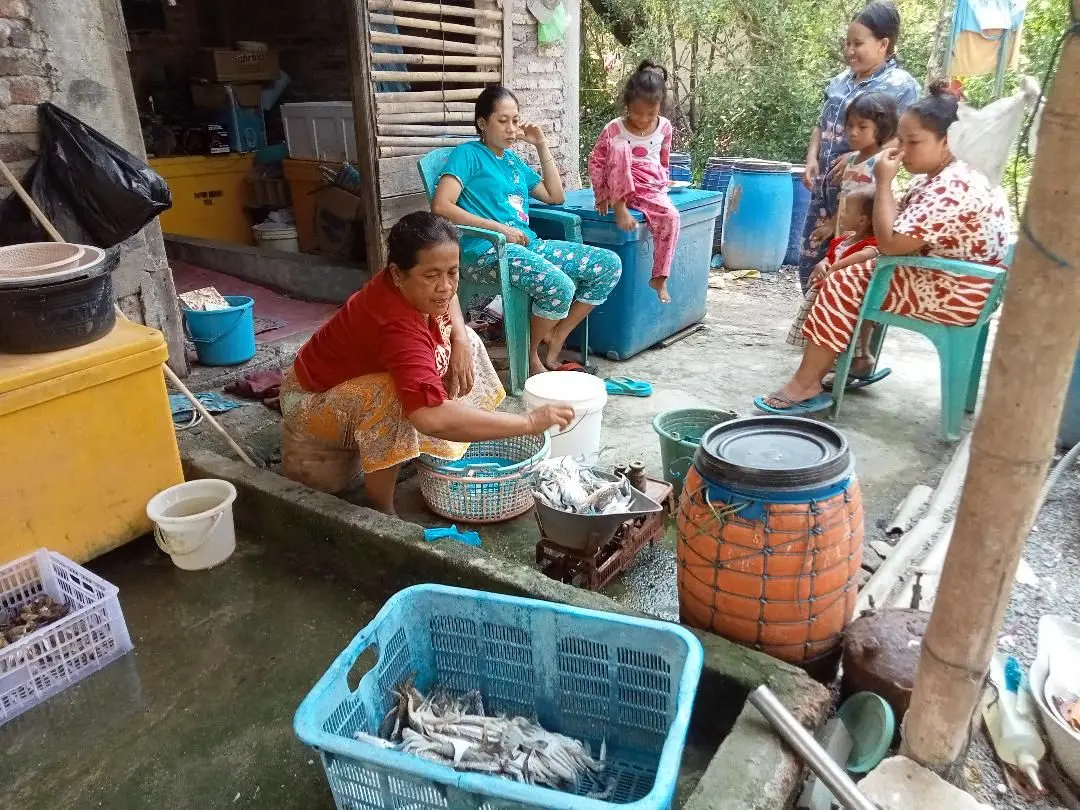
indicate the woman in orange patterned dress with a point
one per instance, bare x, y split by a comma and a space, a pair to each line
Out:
396, 373
949, 210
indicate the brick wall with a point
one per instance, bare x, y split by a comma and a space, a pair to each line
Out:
26, 80
545, 79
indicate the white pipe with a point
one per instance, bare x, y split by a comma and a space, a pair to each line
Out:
881, 584
907, 510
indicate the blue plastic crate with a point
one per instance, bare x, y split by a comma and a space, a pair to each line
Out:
590, 675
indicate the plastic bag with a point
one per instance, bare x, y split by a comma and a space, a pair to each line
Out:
983, 138
92, 190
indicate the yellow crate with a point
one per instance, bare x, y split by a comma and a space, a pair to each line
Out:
304, 179
86, 439
208, 193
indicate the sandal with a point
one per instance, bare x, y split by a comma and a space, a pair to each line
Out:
857, 381
627, 387
815, 404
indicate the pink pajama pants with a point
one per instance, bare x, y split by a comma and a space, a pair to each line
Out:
642, 185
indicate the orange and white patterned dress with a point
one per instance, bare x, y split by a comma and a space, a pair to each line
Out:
960, 216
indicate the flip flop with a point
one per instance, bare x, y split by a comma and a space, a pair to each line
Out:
815, 404
571, 366
627, 387
855, 382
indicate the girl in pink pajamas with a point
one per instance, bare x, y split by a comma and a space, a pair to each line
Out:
628, 168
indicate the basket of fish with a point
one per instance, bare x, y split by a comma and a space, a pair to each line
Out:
581, 507
488, 484
484, 700
58, 624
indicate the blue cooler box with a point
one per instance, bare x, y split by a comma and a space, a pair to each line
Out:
633, 319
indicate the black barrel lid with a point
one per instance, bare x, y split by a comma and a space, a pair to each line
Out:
773, 453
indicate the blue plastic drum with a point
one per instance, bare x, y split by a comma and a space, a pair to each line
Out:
800, 204
717, 177
757, 216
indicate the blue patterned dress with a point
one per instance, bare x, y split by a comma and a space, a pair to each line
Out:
824, 201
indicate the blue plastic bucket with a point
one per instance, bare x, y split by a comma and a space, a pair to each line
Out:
223, 337
757, 216
800, 204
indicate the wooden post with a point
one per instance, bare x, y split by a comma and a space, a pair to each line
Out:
367, 152
1013, 441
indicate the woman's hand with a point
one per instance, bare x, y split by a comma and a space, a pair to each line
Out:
532, 134
836, 173
547, 416
887, 165
810, 176
513, 235
821, 269
459, 377
823, 233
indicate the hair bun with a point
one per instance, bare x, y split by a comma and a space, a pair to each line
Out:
942, 88
649, 65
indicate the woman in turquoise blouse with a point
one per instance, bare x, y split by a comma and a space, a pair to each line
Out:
486, 185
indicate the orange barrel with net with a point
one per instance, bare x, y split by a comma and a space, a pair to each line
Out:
770, 538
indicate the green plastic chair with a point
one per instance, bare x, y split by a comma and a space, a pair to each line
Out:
516, 302
960, 348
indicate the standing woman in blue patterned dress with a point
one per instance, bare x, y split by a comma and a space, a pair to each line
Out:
870, 50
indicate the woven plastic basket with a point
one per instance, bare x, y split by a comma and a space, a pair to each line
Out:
598, 677
50, 659
488, 484
39, 263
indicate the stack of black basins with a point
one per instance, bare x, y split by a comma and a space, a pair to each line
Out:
54, 295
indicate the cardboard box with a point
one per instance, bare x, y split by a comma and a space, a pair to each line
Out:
216, 95
339, 225
223, 65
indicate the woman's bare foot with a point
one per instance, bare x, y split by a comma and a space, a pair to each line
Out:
553, 354
659, 283
536, 366
792, 392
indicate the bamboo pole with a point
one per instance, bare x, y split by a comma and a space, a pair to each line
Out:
1013, 441
433, 44
433, 25
462, 77
402, 140
393, 108
427, 117
408, 96
176, 382
436, 9
423, 129
434, 59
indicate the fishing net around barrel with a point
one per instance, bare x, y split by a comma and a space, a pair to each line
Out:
779, 577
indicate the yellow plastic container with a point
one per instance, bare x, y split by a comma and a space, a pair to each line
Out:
86, 439
304, 177
208, 193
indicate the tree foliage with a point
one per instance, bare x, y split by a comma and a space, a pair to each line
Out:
748, 77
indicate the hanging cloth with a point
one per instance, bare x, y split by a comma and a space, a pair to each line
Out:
980, 30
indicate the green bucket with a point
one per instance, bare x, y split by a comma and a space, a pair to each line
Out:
680, 433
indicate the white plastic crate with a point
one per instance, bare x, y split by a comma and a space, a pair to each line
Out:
320, 130
52, 658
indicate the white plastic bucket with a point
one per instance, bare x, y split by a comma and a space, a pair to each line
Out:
586, 395
275, 236
194, 522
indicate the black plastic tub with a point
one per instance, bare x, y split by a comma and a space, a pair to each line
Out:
58, 316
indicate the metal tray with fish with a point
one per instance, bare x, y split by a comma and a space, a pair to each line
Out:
584, 532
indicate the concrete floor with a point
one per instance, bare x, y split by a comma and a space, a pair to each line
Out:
893, 427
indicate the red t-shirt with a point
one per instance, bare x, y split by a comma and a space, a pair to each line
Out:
377, 331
